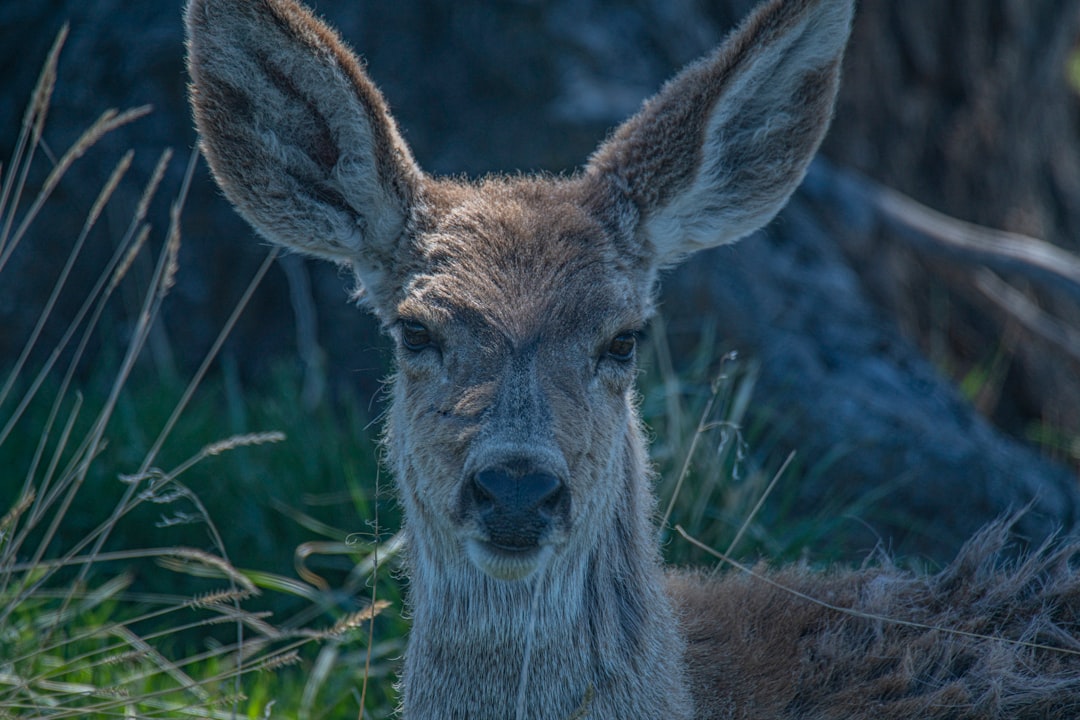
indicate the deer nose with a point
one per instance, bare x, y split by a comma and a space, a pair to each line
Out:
516, 503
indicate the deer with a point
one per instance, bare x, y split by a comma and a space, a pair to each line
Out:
515, 305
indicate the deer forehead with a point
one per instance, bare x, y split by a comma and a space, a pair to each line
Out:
524, 259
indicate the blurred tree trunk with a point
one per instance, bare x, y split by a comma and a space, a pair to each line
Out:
969, 107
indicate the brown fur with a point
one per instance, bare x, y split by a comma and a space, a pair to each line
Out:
536, 585
975, 640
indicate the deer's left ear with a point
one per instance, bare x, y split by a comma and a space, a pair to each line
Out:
719, 150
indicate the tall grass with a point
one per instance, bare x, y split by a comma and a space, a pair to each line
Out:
85, 627
721, 477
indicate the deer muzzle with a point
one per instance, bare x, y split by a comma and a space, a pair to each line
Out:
516, 506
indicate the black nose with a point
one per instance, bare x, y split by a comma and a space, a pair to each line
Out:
516, 503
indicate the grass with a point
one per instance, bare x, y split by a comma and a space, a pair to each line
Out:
133, 581
710, 484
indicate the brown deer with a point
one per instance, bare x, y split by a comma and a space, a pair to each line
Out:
516, 303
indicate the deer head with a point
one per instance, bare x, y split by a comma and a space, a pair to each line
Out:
516, 304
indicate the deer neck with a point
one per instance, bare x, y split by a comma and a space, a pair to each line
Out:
591, 630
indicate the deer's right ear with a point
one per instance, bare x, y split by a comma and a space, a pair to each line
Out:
719, 150
298, 137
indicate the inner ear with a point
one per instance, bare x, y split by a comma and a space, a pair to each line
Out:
299, 138
719, 150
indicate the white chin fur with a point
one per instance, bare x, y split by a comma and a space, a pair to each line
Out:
505, 565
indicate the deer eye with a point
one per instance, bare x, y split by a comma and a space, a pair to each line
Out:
414, 336
622, 347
